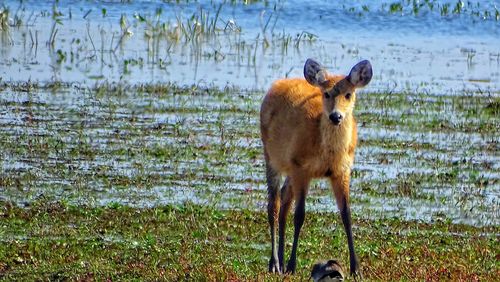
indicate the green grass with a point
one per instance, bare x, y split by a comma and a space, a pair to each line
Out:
57, 241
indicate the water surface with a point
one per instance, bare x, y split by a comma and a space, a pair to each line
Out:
423, 51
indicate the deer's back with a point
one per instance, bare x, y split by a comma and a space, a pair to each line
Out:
290, 118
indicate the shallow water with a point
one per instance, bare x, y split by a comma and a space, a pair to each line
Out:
419, 51
96, 147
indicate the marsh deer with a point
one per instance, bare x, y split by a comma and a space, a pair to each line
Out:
309, 131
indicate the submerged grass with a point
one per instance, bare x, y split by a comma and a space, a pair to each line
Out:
57, 241
474, 9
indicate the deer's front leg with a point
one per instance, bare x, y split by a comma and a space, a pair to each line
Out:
340, 186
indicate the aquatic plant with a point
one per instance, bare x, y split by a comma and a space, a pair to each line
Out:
4, 19
57, 20
446, 9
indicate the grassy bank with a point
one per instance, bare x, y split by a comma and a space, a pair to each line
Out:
57, 241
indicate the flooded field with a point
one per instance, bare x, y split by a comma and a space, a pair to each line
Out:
156, 144
151, 103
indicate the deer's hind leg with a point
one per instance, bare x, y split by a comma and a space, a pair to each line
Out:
273, 206
287, 200
300, 187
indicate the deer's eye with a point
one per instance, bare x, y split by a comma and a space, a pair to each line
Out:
327, 95
348, 96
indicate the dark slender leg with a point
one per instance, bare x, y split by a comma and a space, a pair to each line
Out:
298, 221
286, 196
345, 213
273, 205
300, 186
340, 186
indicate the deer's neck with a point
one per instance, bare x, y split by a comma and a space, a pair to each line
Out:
335, 138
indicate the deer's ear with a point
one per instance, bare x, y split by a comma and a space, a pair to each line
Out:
361, 74
314, 73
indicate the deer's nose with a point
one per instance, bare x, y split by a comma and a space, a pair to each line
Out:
336, 118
